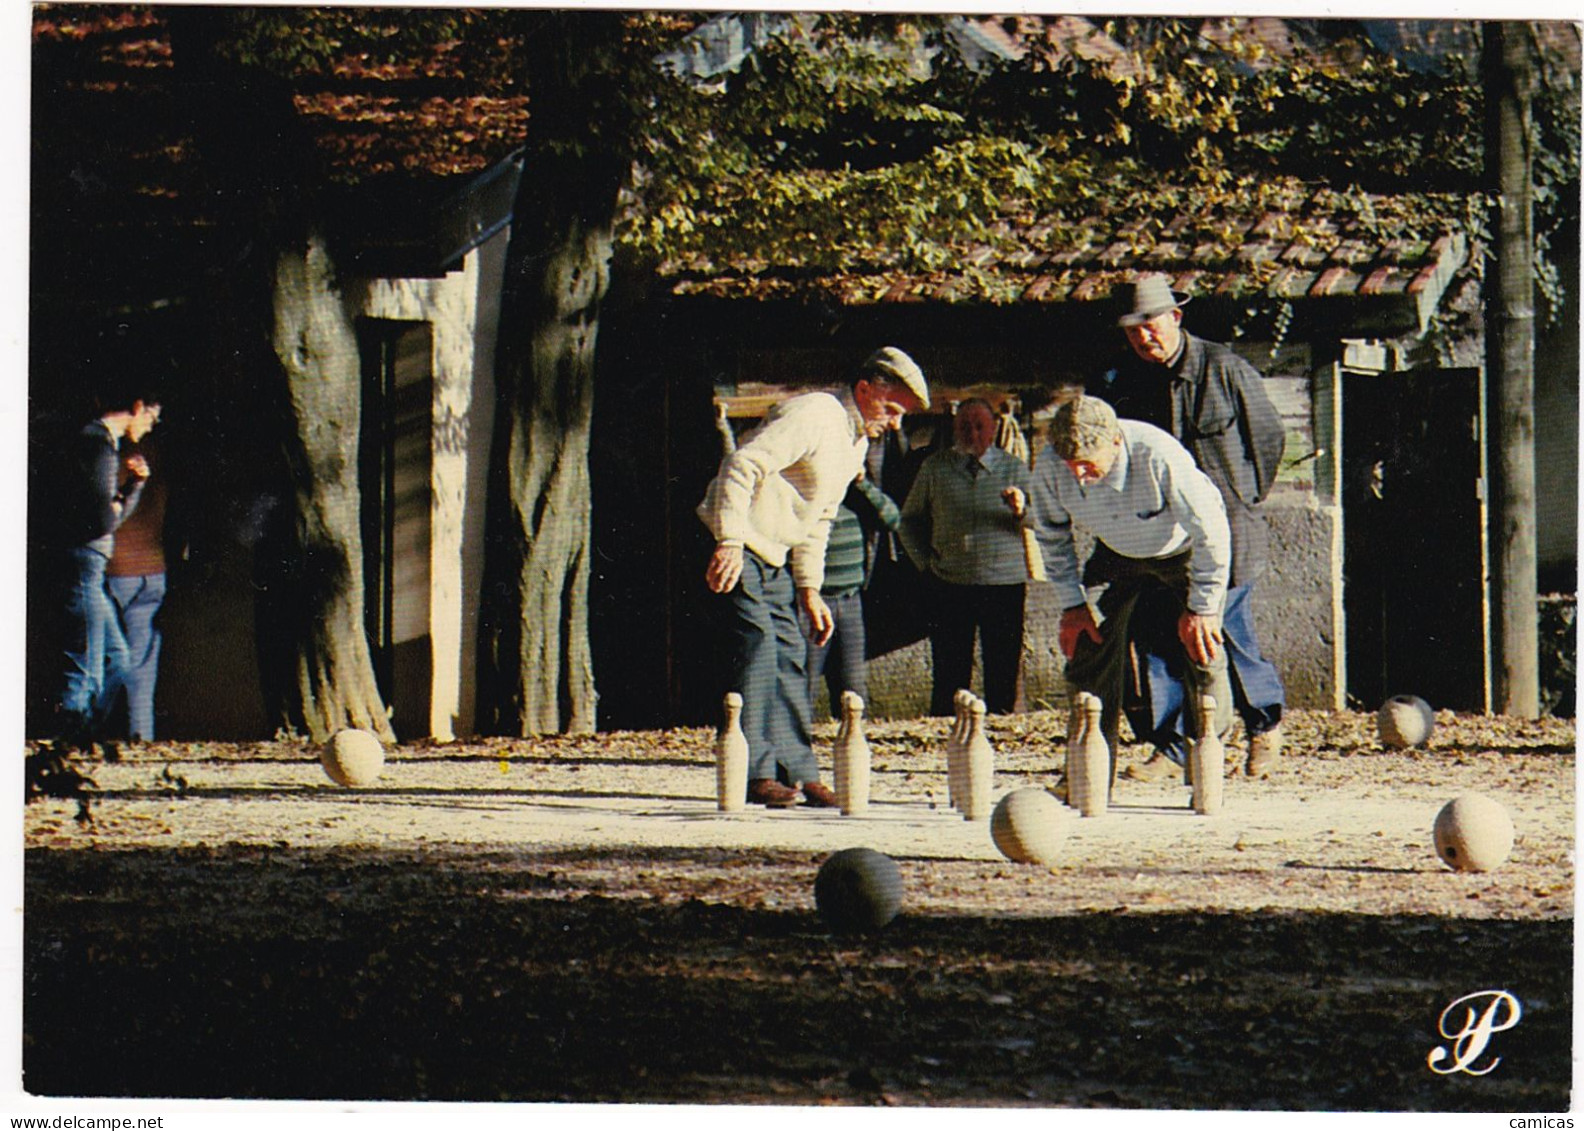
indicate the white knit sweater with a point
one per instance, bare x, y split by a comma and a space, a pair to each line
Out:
777, 492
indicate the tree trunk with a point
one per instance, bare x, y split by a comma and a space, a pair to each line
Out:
331, 683
1510, 358
536, 674
295, 343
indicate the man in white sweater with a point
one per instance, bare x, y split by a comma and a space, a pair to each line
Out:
769, 508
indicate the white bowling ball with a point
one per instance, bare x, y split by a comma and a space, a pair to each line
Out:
1473, 834
353, 758
1404, 721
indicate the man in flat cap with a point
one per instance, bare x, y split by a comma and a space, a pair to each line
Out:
1216, 405
1163, 554
769, 508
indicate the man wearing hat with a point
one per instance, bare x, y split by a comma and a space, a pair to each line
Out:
1163, 554
769, 508
1215, 403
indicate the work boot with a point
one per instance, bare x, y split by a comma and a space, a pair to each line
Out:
1264, 753
1157, 767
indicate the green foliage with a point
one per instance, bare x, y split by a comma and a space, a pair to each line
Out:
869, 141
876, 141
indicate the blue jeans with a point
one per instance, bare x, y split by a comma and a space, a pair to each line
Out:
771, 673
96, 651
841, 659
1256, 686
1257, 692
138, 599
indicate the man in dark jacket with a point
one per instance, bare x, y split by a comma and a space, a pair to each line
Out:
1215, 403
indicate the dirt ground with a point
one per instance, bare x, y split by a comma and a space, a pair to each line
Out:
570, 919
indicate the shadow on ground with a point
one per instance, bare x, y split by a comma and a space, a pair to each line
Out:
257, 973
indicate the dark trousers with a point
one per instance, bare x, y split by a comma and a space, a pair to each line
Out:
996, 613
770, 671
1142, 668
841, 659
1256, 686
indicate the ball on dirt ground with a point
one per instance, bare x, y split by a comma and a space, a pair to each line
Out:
1029, 826
1404, 721
858, 890
1473, 833
353, 758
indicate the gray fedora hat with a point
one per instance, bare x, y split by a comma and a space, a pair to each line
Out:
1147, 298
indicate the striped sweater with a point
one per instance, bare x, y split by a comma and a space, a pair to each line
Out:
846, 564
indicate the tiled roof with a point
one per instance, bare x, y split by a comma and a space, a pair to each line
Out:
105, 73
128, 200
1292, 241
367, 118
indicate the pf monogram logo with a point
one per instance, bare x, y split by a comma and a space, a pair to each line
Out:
1484, 1013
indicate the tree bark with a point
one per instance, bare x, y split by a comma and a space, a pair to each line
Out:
1509, 65
536, 674
294, 340
331, 683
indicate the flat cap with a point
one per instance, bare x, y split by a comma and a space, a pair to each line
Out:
1082, 426
892, 365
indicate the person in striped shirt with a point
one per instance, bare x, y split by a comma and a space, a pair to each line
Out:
1163, 554
848, 568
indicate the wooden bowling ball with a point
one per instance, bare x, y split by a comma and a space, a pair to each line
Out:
353, 758
858, 890
1473, 834
1029, 826
1404, 721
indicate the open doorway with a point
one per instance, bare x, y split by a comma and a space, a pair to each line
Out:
394, 461
1413, 538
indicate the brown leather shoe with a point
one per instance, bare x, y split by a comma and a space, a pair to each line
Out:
819, 796
771, 794
1265, 751
1157, 767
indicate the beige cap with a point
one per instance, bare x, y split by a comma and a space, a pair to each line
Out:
893, 366
1082, 426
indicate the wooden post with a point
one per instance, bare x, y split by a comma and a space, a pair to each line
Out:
1515, 633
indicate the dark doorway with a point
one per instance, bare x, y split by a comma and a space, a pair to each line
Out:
1413, 556
394, 483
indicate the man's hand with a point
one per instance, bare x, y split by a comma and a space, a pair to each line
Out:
136, 466
725, 569
1015, 500
1075, 622
822, 625
1200, 633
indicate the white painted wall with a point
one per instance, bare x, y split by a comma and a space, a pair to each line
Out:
462, 308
